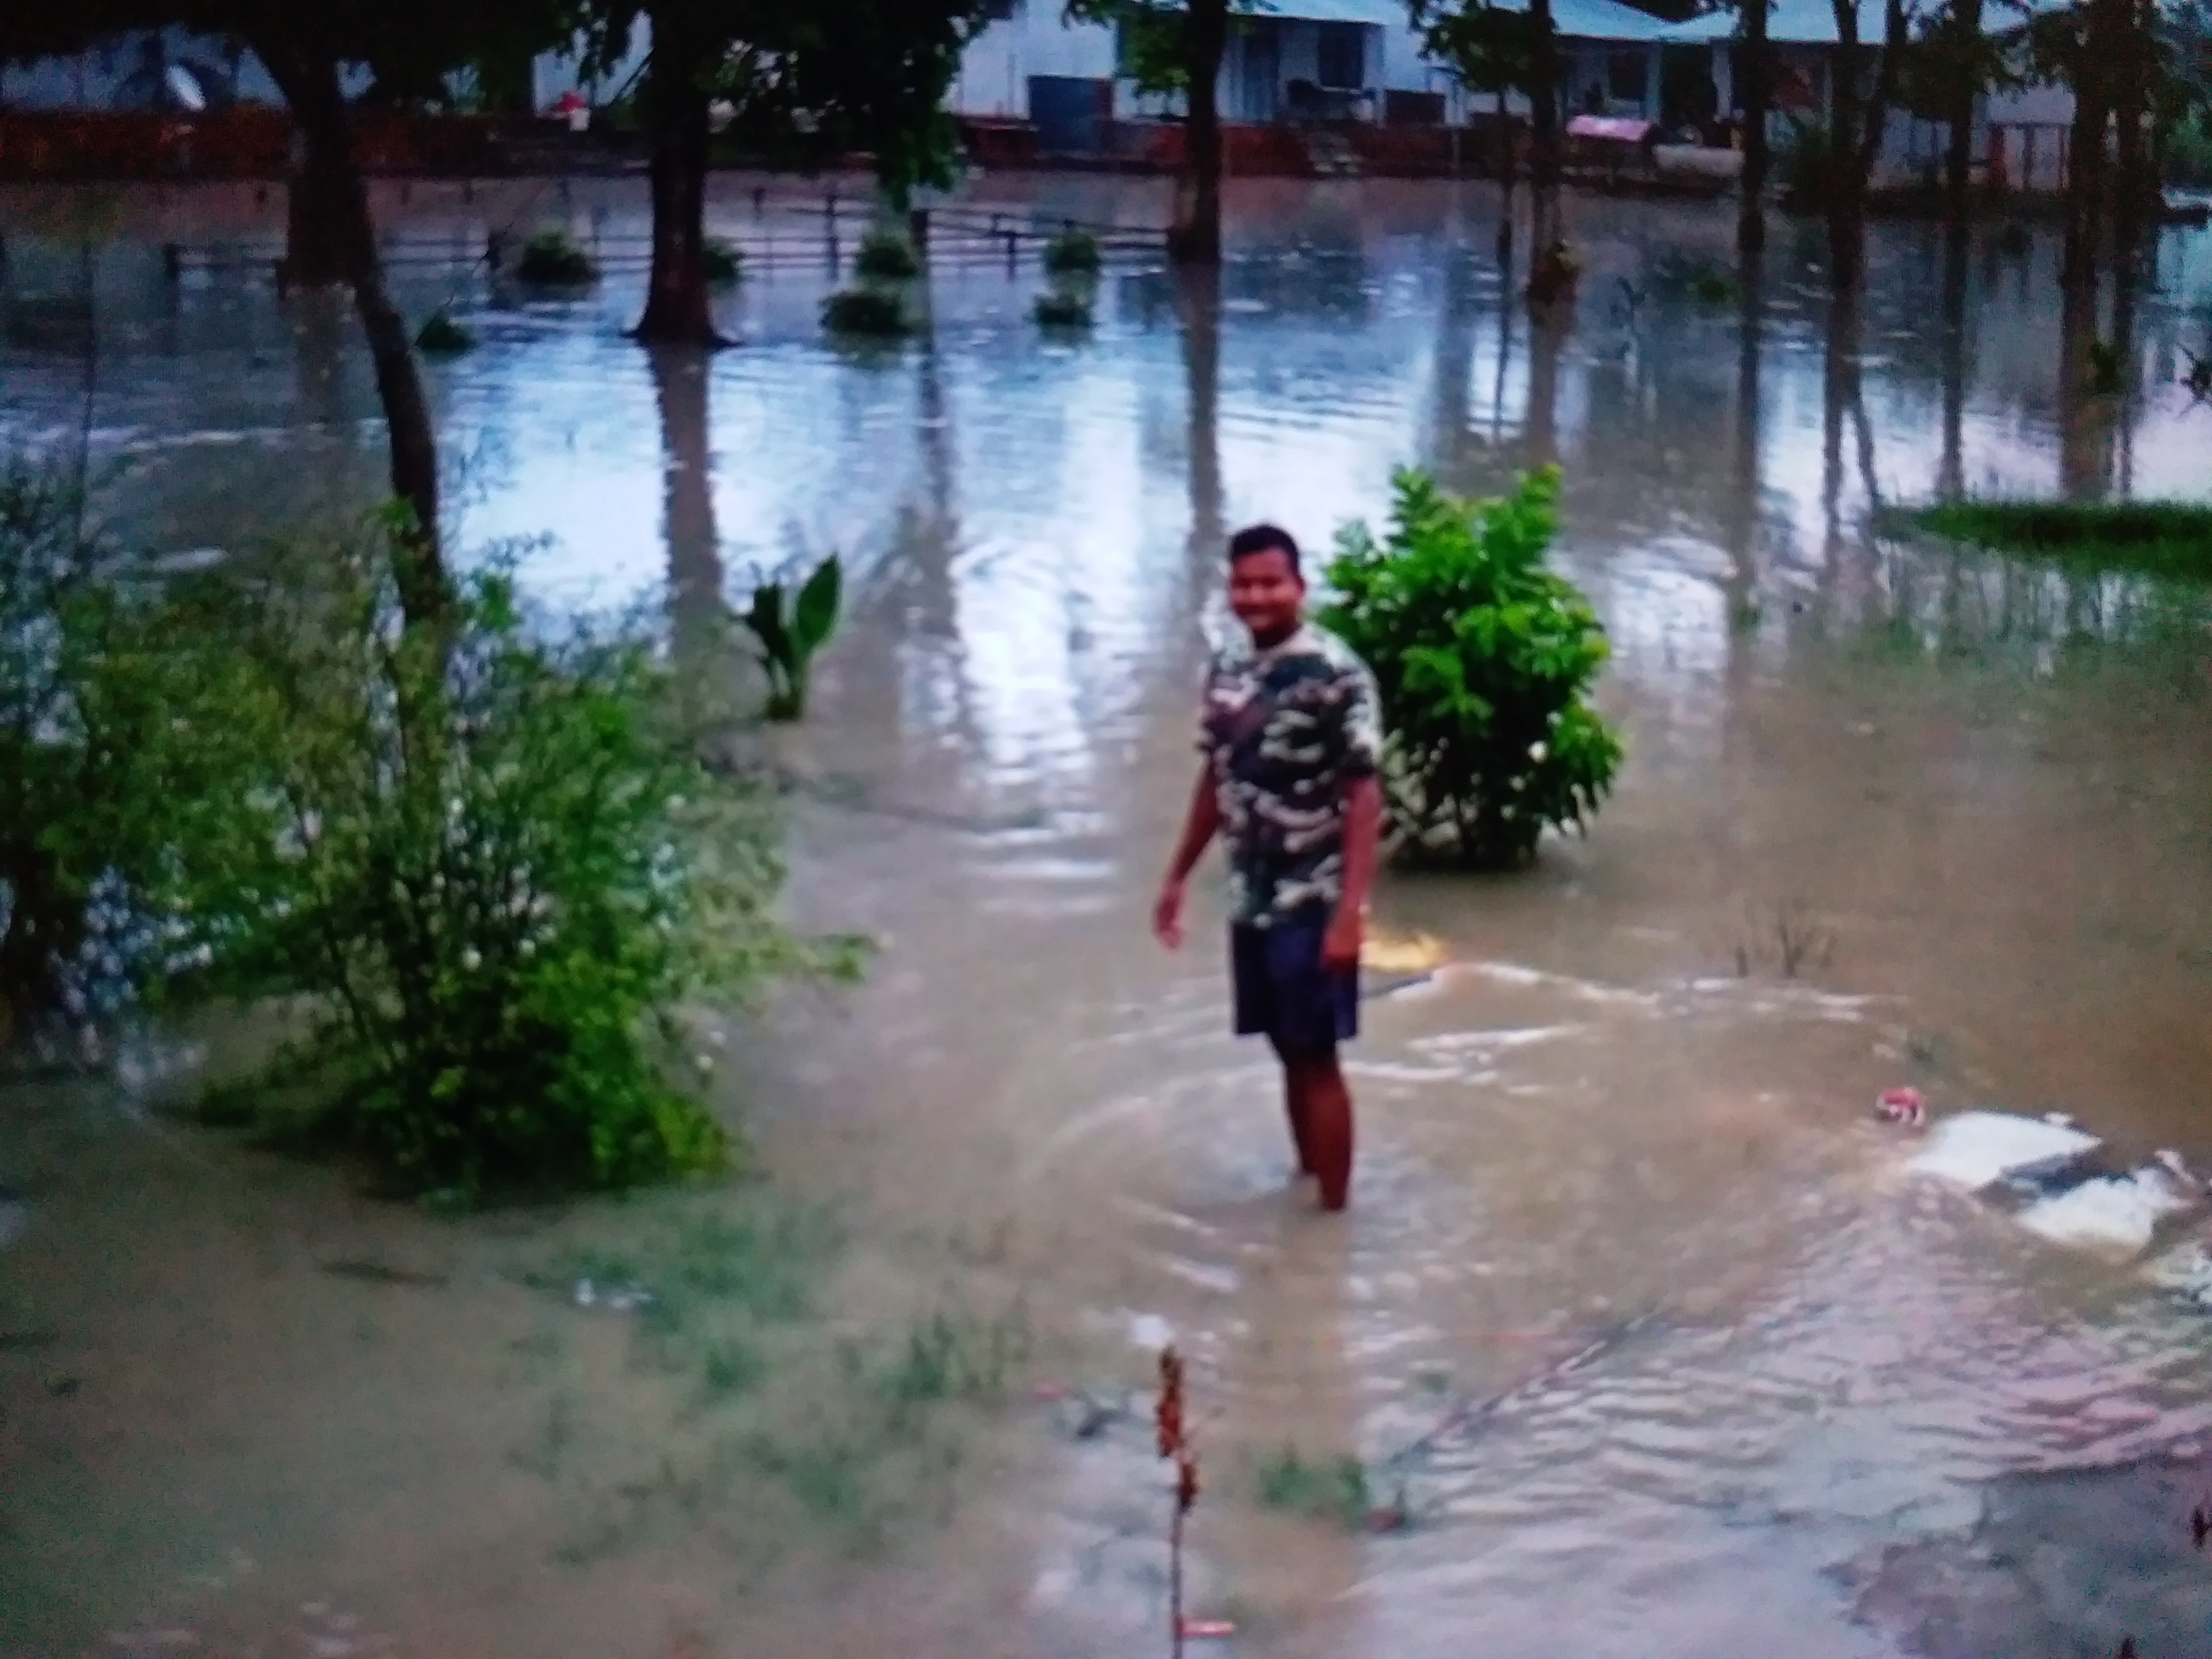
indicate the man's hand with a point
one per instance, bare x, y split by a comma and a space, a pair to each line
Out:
1167, 915
1339, 945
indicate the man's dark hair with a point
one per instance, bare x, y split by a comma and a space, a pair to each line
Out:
1264, 538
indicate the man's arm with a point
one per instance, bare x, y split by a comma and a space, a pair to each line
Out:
1362, 835
1199, 826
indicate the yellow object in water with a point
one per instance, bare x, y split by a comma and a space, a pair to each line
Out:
1402, 953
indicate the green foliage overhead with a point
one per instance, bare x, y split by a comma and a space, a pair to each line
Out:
1491, 48
1483, 657
789, 635
810, 83
1153, 37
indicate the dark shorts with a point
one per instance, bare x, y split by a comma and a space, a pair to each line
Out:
1282, 992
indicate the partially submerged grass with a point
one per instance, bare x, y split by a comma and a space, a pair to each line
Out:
1064, 308
886, 255
441, 336
1335, 1489
2173, 539
1074, 253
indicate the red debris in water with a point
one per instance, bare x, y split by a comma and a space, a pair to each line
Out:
1207, 1630
1902, 1106
1054, 1389
1387, 1520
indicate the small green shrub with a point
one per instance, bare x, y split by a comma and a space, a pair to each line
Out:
552, 257
2100, 375
1074, 253
887, 255
724, 262
1337, 1491
1064, 307
869, 312
788, 642
441, 336
2170, 539
1483, 657
492, 871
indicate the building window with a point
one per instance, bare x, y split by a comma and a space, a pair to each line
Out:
1624, 77
1342, 55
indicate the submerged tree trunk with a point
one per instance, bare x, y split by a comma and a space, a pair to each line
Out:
2086, 171
1505, 173
1950, 472
1194, 233
1543, 129
1756, 85
1959, 157
1856, 118
2138, 186
314, 239
679, 308
1198, 300
309, 82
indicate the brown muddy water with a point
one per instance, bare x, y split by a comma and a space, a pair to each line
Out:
1635, 1317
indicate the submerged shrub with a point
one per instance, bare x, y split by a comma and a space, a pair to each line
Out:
552, 257
1064, 307
866, 311
1074, 253
724, 261
1483, 657
887, 255
493, 871
441, 336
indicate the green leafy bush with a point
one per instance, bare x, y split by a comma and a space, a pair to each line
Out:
869, 312
552, 257
887, 255
493, 871
788, 642
724, 262
1483, 657
1072, 252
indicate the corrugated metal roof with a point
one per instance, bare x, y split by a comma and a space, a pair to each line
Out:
1599, 20
1380, 14
1813, 22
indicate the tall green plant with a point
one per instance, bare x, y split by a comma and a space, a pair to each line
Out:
1483, 658
790, 636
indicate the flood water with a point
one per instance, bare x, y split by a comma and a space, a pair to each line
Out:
1622, 1134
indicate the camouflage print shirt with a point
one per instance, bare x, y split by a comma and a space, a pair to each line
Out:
1286, 729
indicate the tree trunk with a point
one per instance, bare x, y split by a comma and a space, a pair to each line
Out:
1950, 472
678, 308
1195, 235
1757, 91
2131, 105
1198, 300
1543, 129
310, 85
314, 240
2085, 153
1959, 159
1857, 116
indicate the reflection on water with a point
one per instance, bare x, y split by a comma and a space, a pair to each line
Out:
1988, 782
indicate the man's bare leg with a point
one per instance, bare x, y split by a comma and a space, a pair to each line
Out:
1295, 1108
1315, 1082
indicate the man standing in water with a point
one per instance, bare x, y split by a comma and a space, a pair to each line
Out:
1292, 738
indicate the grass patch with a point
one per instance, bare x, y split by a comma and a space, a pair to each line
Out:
724, 262
887, 255
1064, 308
552, 257
1335, 1489
2171, 539
1074, 253
868, 312
441, 336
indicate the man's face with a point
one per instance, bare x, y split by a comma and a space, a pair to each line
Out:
1266, 594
